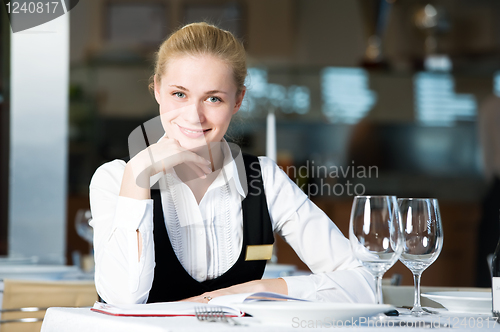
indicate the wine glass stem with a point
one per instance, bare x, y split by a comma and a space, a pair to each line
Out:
417, 308
379, 289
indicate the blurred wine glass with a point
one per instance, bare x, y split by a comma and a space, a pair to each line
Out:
422, 239
84, 260
82, 226
375, 234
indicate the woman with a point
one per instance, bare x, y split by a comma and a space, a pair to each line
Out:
215, 214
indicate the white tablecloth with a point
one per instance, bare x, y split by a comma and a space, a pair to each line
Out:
84, 320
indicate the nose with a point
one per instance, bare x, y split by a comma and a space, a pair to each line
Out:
194, 114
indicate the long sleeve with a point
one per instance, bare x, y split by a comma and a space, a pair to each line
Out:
120, 276
337, 275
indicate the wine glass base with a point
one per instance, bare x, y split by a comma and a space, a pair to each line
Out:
408, 311
419, 312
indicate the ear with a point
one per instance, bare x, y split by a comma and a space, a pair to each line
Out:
239, 100
157, 89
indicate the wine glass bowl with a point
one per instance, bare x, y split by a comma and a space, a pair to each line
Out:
422, 239
375, 234
82, 226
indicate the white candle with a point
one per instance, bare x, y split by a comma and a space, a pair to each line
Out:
271, 135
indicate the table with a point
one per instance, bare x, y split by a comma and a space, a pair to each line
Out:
84, 320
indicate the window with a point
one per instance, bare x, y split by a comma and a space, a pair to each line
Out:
436, 102
261, 94
346, 97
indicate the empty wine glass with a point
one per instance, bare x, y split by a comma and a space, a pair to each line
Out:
82, 226
375, 234
422, 239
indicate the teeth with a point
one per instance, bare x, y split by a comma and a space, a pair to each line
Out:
194, 132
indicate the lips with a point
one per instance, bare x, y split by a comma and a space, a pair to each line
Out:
193, 133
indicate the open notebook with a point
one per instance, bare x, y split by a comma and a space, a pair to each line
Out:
227, 303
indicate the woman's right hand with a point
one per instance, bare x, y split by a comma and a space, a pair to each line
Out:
159, 157
163, 156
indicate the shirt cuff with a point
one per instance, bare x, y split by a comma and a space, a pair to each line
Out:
301, 287
130, 212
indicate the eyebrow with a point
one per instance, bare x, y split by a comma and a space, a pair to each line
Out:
180, 87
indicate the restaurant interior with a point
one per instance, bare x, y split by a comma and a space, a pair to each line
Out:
361, 97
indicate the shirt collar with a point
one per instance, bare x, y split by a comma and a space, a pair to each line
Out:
233, 168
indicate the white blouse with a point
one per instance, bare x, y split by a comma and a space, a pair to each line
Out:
207, 238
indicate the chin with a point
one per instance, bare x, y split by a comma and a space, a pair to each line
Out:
192, 144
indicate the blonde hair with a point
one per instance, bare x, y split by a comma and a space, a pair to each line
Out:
202, 39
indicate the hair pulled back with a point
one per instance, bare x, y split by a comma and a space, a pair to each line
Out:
202, 39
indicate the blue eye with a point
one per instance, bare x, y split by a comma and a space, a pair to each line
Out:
213, 99
179, 94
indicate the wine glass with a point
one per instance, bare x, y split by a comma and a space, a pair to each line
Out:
422, 239
86, 232
82, 226
375, 234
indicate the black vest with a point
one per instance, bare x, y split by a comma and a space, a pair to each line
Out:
172, 282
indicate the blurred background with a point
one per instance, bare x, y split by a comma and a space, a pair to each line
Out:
368, 97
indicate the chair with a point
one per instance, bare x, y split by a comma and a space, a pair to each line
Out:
25, 301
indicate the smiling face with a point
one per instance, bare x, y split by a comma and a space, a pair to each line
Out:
197, 97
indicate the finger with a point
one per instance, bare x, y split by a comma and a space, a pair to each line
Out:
204, 167
189, 299
195, 171
194, 299
201, 172
177, 155
197, 159
193, 156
